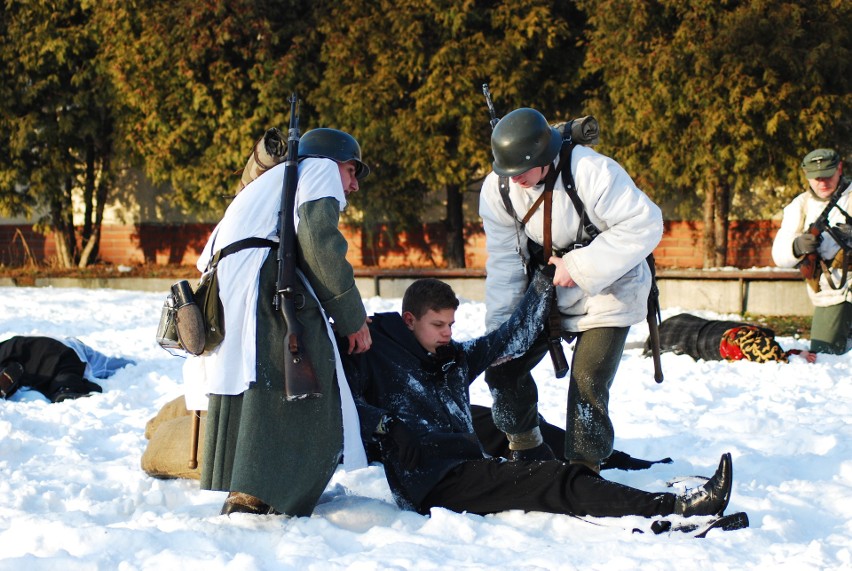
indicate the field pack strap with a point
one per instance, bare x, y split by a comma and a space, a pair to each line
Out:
571, 189
240, 245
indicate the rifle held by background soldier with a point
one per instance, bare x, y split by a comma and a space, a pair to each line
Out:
811, 266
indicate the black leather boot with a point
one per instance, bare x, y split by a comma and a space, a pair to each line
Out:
238, 502
713, 497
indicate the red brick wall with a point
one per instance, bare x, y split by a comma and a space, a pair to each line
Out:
167, 244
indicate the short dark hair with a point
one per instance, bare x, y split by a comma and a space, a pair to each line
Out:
428, 293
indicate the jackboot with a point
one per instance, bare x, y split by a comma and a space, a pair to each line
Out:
712, 498
238, 502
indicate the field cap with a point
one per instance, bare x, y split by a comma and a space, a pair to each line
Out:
821, 163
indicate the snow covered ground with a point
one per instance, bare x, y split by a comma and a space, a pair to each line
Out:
72, 494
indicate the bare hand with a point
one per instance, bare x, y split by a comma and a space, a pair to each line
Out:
360, 341
809, 356
562, 277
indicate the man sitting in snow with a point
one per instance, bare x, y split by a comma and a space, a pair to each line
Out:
411, 389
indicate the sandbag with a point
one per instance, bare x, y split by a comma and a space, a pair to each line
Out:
169, 434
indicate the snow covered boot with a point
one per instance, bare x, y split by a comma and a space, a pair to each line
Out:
713, 497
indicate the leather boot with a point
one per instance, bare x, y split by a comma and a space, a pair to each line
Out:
238, 502
713, 497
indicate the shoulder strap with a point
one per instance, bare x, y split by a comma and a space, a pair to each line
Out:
503, 182
240, 245
571, 189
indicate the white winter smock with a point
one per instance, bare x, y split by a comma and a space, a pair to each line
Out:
613, 280
798, 216
230, 368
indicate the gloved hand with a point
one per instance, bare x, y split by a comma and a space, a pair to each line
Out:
407, 445
806, 243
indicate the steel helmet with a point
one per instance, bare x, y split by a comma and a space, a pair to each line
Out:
333, 144
523, 140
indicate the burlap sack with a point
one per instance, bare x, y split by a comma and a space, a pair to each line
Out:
169, 436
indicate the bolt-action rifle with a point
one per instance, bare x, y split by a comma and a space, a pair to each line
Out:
554, 319
300, 379
811, 265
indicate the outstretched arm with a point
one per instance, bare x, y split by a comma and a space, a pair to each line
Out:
515, 336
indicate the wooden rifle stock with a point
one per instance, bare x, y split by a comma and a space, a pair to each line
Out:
300, 379
809, 264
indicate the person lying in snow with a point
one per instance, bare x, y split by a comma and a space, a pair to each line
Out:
59, 369
713, 340
411, 390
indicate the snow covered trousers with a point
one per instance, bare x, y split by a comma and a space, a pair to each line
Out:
589, 434
493, 485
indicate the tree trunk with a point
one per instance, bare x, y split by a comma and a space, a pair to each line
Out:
454, 251
708, 234
88, 189
721, 223
63, 227
92, 242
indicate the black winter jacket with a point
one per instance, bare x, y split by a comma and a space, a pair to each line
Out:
429, 392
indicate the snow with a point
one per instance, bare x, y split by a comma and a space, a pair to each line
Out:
72, 494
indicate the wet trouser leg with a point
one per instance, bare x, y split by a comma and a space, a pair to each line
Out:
830, 328
589, 434
491, 485
513, 390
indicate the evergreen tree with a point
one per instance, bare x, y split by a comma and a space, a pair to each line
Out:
405, 77
719, 101
201, 82
56, 121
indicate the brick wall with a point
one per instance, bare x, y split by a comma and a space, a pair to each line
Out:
179, 244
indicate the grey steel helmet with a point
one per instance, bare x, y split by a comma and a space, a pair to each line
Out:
523, 140
335, 145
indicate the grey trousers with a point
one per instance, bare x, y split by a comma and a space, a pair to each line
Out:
589, 434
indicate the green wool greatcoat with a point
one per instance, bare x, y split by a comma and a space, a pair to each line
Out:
285, 452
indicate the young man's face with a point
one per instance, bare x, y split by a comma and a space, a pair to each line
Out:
347, 177
824, 187
530, 178
432, 330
